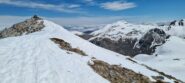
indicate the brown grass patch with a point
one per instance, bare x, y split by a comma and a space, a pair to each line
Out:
67, 46
118, 74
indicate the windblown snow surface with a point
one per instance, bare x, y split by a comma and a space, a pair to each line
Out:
34, 58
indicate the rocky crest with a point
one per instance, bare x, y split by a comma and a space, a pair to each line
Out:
29, 26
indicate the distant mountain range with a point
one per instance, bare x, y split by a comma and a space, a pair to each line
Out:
84, 28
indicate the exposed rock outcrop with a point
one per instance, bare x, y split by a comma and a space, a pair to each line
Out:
121, 46
131, 47
153, 38
29, 26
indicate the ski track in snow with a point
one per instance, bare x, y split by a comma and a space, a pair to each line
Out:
36, 59
23, 63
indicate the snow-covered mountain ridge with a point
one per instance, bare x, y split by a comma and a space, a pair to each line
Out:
161, 47
122, 37
35, 58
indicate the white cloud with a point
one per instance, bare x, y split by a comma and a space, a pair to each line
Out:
118, 5
69, 8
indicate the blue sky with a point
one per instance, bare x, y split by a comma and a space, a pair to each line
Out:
95, 11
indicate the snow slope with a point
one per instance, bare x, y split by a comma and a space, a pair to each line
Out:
34, 58
170, 58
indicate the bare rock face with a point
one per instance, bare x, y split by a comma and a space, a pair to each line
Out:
29, 26
121, 46
153, 38
131, 47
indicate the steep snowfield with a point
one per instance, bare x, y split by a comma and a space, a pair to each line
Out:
170, 58
122, 29
34, 58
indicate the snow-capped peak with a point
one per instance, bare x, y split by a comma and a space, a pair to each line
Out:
122, 29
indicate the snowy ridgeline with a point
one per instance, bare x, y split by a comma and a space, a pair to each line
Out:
34, 58
123, 29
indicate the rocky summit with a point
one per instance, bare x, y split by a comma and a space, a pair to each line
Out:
28, 26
